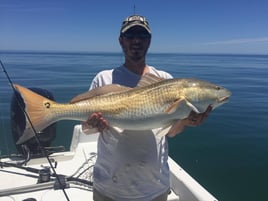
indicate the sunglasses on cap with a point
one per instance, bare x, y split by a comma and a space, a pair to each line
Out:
140, 35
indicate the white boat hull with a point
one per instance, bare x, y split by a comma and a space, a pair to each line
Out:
18, 184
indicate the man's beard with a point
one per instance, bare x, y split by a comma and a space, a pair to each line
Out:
137, 54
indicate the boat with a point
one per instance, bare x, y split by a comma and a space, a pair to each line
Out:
53, 174
34, 180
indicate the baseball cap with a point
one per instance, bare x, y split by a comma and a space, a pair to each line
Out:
135, 20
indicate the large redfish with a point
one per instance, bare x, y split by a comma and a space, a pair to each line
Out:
154, 103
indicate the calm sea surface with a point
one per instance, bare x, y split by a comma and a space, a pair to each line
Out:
228, 154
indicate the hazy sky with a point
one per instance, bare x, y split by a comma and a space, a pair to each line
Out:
183, 26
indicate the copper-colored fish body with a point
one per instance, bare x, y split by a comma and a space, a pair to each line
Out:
154, 103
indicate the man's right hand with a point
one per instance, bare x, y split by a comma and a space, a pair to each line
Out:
95, 121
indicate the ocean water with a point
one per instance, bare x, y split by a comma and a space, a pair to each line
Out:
228, 154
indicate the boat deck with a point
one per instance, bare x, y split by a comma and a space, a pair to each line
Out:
77, 166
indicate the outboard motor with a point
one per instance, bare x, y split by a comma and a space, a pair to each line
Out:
18, 122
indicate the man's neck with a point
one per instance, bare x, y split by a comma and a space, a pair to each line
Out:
139, 68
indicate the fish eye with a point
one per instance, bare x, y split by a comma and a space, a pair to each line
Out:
218, 88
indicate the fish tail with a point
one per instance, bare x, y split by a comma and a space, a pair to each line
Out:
38, 111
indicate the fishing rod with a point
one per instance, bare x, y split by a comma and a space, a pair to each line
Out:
60, 182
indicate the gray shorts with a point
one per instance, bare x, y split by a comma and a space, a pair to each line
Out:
97, 196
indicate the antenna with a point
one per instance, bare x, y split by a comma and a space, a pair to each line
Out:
134, 9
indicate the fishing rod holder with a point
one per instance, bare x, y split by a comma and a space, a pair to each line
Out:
61, 182
44, 175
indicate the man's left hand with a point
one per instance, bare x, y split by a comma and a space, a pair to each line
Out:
194, 119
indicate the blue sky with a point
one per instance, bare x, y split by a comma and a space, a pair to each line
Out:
181, 26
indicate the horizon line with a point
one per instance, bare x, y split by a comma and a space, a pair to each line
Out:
119, 52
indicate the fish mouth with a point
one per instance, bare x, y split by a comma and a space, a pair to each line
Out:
225, 96
220, 101
224, 99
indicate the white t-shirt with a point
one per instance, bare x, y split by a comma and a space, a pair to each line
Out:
133, 165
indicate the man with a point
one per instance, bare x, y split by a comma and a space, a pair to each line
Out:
132, 166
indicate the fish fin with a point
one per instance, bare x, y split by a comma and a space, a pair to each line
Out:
37, 109
163, 131
105, 90
176, 126
192, 107
148, 79
178, 103
89, 130
116, 130
173, 107
170, 129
